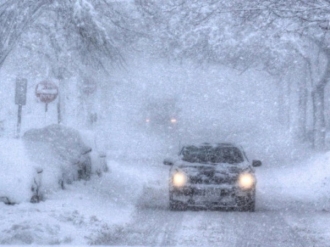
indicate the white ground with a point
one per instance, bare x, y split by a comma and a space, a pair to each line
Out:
129, 207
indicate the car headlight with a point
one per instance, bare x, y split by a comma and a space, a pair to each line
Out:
173, 120
246, 181
179, 179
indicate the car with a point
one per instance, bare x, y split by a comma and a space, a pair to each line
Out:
44, 160
161, 115
61, 152
212, 176
65, 154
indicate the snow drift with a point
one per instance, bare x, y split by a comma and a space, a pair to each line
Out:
17, 171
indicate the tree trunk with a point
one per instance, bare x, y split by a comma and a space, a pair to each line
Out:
319, 126
319, 120
302, 109
281, 103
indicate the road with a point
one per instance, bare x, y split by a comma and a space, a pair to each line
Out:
276, 222
129, 207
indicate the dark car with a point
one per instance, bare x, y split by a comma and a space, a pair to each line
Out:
212, 176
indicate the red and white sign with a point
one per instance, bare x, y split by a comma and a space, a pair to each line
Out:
46, 91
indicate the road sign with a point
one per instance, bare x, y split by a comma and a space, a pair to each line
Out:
88, 86
20, 93
46, 91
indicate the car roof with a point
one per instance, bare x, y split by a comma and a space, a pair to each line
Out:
219, 144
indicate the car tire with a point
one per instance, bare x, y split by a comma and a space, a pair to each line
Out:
246, 204
85, 170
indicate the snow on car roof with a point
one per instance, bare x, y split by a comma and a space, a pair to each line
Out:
207, 144
65, 142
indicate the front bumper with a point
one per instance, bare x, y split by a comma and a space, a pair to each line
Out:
209, 195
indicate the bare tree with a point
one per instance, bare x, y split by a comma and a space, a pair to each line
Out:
73, 37
272, 34
309, 21
15, 18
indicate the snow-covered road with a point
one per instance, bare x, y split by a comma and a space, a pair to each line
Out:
276, 222
159, 227
130, 207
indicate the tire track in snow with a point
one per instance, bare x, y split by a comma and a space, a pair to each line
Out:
149, 227
153, 224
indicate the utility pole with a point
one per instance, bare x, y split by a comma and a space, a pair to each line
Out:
60, 77
20, 100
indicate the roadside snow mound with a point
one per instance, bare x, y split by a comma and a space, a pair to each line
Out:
311, 179
307, 181
17, 171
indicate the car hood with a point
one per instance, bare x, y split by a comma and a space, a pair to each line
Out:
221, 173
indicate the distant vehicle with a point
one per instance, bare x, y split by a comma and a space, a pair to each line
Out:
212, 176
162, 115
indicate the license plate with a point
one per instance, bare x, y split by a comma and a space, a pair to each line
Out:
213, 192
225, 192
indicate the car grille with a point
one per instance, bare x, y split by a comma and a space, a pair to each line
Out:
213, 180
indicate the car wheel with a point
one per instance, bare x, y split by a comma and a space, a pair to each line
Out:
246, 204
85, 169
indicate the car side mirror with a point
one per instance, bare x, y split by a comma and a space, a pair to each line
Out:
168, 162
256, 163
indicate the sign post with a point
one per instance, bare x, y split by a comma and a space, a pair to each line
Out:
60, 74
88, 88
46, 92
20, 100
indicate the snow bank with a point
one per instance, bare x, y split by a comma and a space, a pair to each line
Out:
17, 171
307, 181
310, 179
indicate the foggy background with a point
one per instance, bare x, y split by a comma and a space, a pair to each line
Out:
223, 73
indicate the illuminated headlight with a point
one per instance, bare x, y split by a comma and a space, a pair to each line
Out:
173, 120
179, 179
246, 181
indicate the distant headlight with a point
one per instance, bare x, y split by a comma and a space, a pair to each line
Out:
179, 179
246, 181
173, 120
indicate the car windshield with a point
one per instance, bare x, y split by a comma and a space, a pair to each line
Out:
209, 154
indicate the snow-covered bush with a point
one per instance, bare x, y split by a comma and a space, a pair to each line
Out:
18, 173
